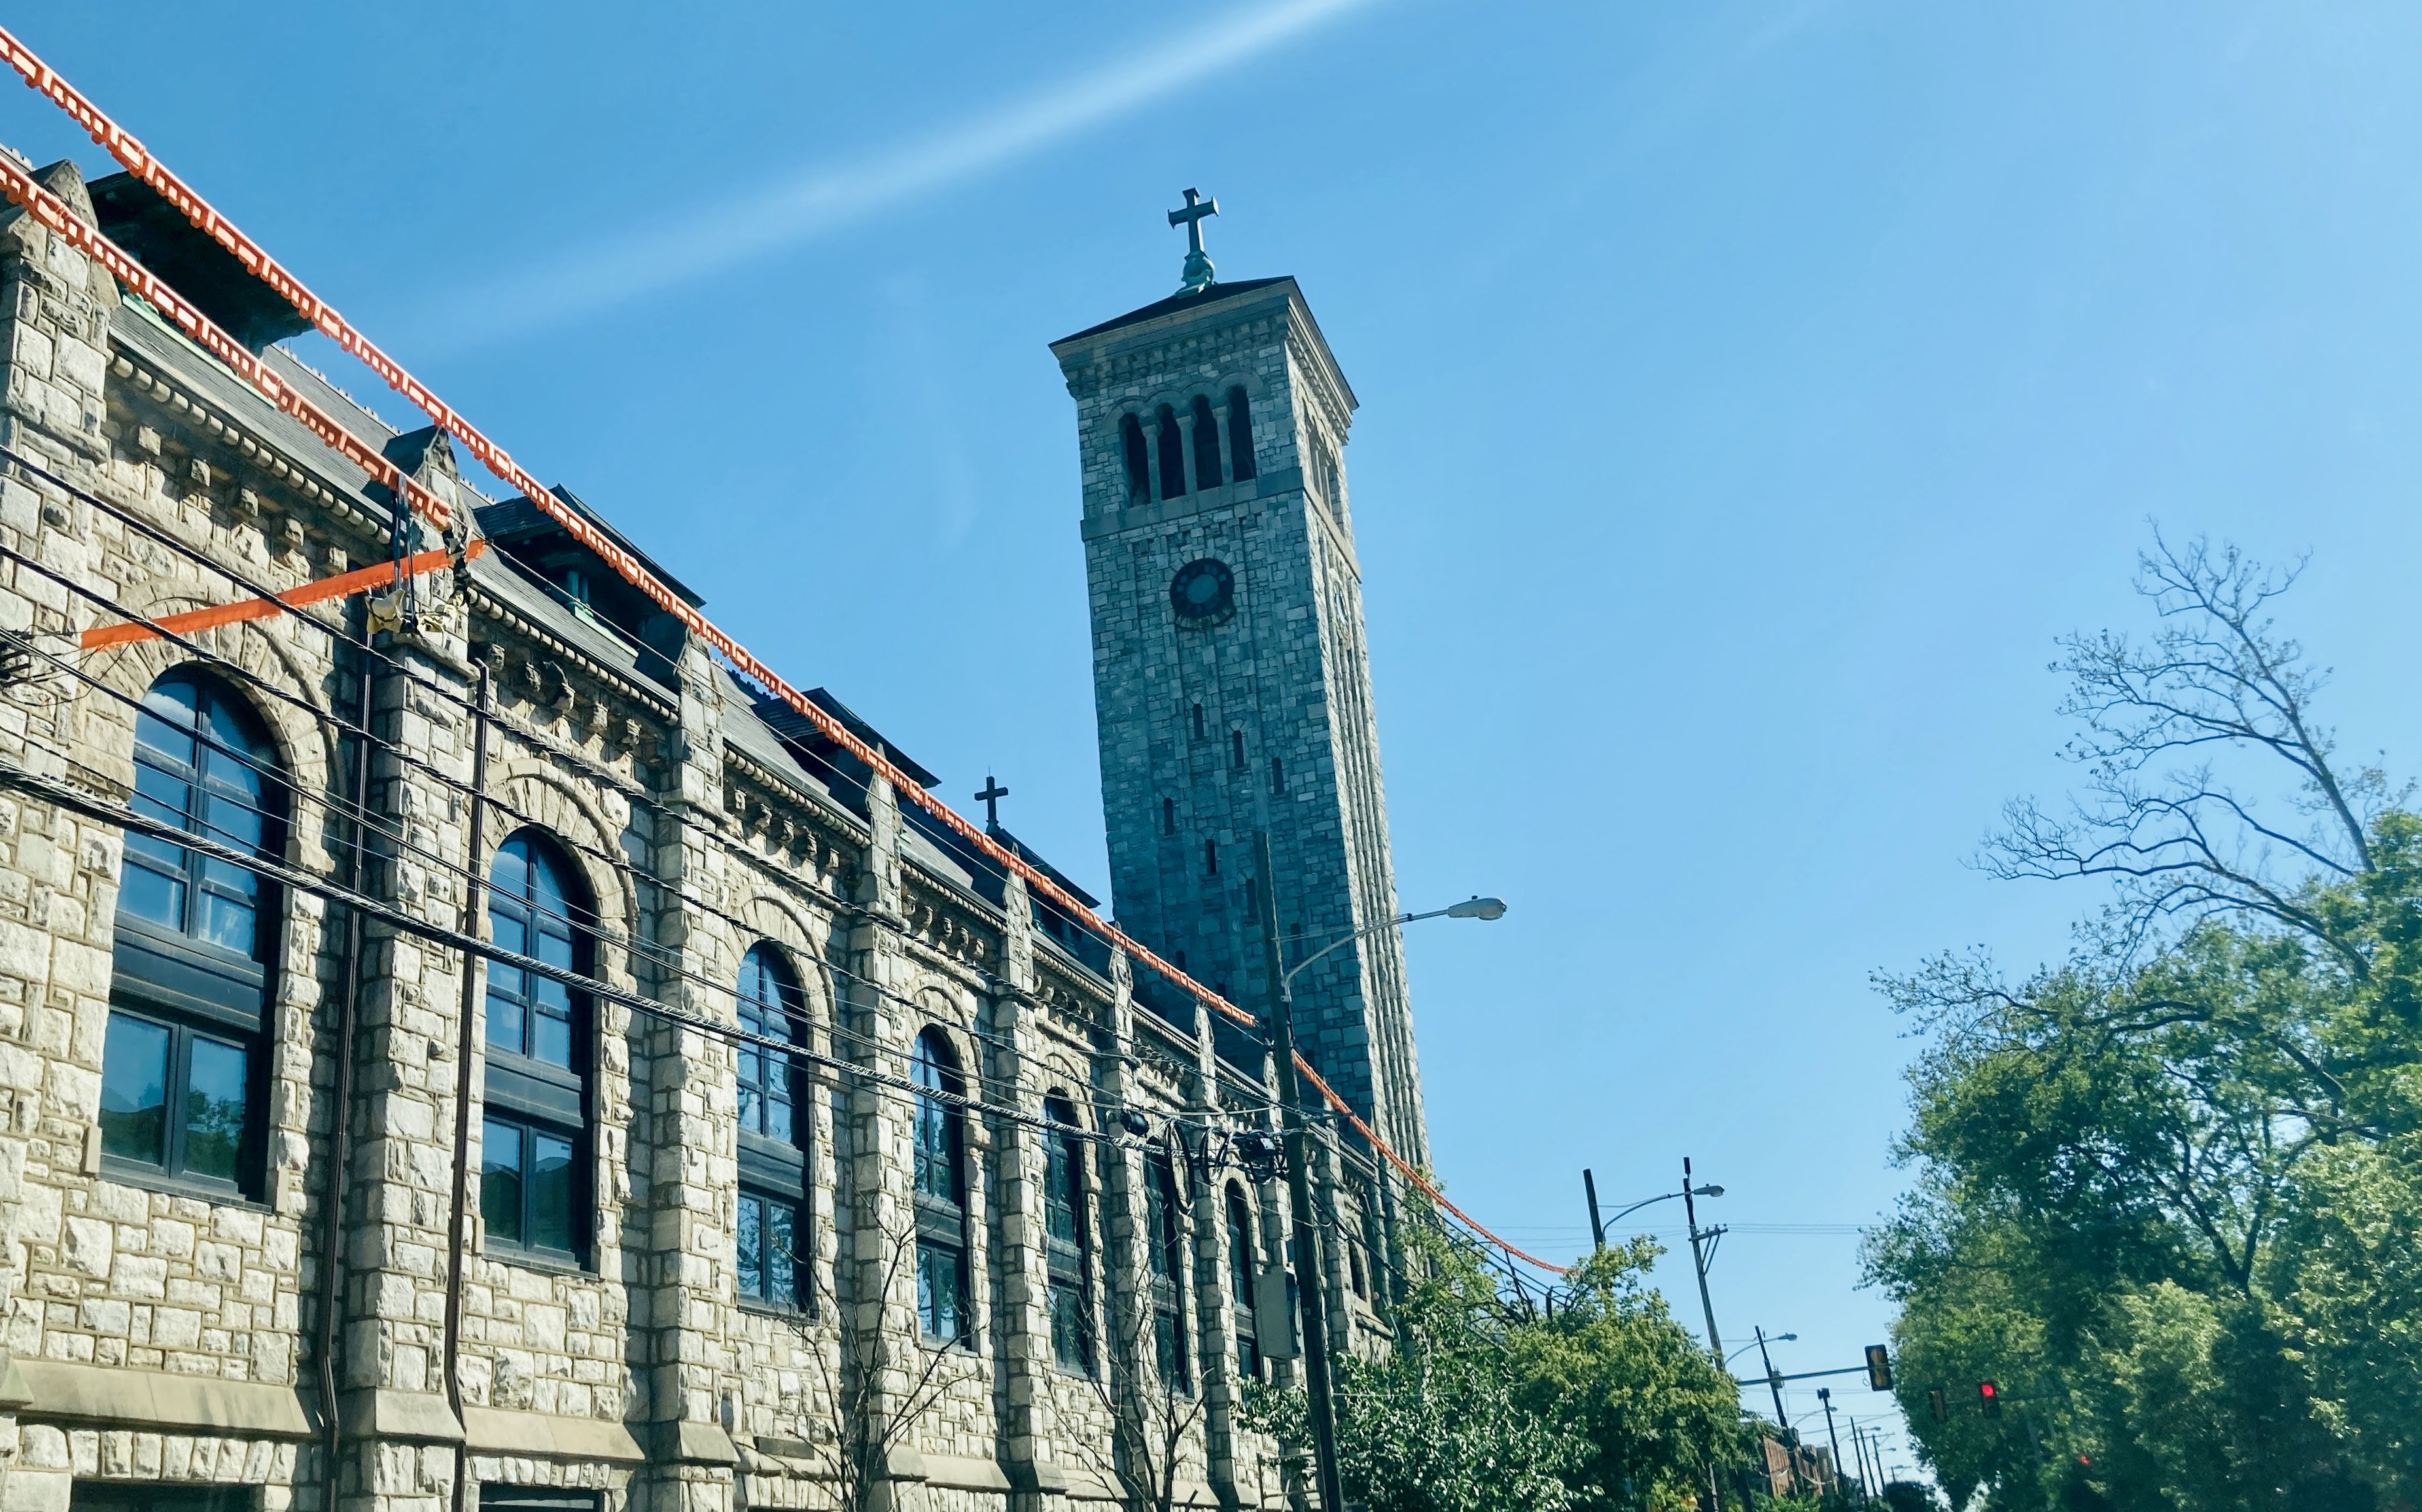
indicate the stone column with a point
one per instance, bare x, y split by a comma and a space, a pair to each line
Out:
1132, 1363
1186, 448
1214, 1310
1328, 1175
395, 1183
878, 1288
685, 1157
58, 872
1028, 1431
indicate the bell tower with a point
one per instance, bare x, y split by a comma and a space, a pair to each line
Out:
1231, 683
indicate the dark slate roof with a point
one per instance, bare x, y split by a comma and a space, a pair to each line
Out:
133, 214
145, 330
1019, 849
1174, 302
541, 604
517, 521
796, 729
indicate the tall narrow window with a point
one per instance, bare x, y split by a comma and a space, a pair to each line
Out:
938, 1178
771, 1247
1165, 1240
1169, 816
1253, 899
183, 1068
1278, 776
773, 1233
1241, 1271
1236, 749
1138, 465
1197, 721
1240, 436
533, 1187
1374, 1241
1210, 858
1067, 1240
1207, 444
1172, 456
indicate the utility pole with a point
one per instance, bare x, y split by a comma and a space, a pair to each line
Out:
1699, 1263
1309, 1284
1774, 1384
1825, 1395
1598, 1230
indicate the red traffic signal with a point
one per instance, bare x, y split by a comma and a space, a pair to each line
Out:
1989, 1396
1878, 1367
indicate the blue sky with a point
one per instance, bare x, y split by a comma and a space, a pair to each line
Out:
1750, 393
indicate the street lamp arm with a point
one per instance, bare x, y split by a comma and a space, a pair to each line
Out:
1471, 909
1644, 1201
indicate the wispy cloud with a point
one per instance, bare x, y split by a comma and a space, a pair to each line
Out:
823, 198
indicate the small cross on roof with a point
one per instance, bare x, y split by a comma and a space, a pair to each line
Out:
1197, 263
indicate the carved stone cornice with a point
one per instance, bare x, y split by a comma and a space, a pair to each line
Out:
945, 925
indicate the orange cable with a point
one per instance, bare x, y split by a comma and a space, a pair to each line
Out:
343, 585
20, 185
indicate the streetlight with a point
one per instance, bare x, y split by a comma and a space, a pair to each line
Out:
1598, 1229
1776, 1338
1489, 910
1290, 1089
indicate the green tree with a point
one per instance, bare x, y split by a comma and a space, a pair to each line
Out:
1647, 1401
2155, 1182
1489, 1401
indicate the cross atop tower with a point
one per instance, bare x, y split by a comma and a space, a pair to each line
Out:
992, 795
1197, 263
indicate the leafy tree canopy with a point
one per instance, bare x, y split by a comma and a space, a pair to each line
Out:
2157, 1183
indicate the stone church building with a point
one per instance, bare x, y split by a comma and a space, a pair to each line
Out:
464, 1047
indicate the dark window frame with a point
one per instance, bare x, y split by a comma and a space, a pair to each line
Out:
752, 1283
939, 1183
1243, 1271
1067, 1240
520, 1244
204, 760
533, 1092
1165, 1245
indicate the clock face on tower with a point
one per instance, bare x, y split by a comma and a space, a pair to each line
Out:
1203, 592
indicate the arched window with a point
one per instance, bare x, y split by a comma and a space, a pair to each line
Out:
1173, 455
1241, 434
1278, 776
1067, 1240
1166, 1240
1197, 721
1236, 749
183, 1068
1207, 444
1241, 1274
534, 1142
1169, 816
939, 1181
1138, 465
773, 1218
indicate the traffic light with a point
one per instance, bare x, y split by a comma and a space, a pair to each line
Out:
1989, 1396
1878, 1367
1938, 1404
